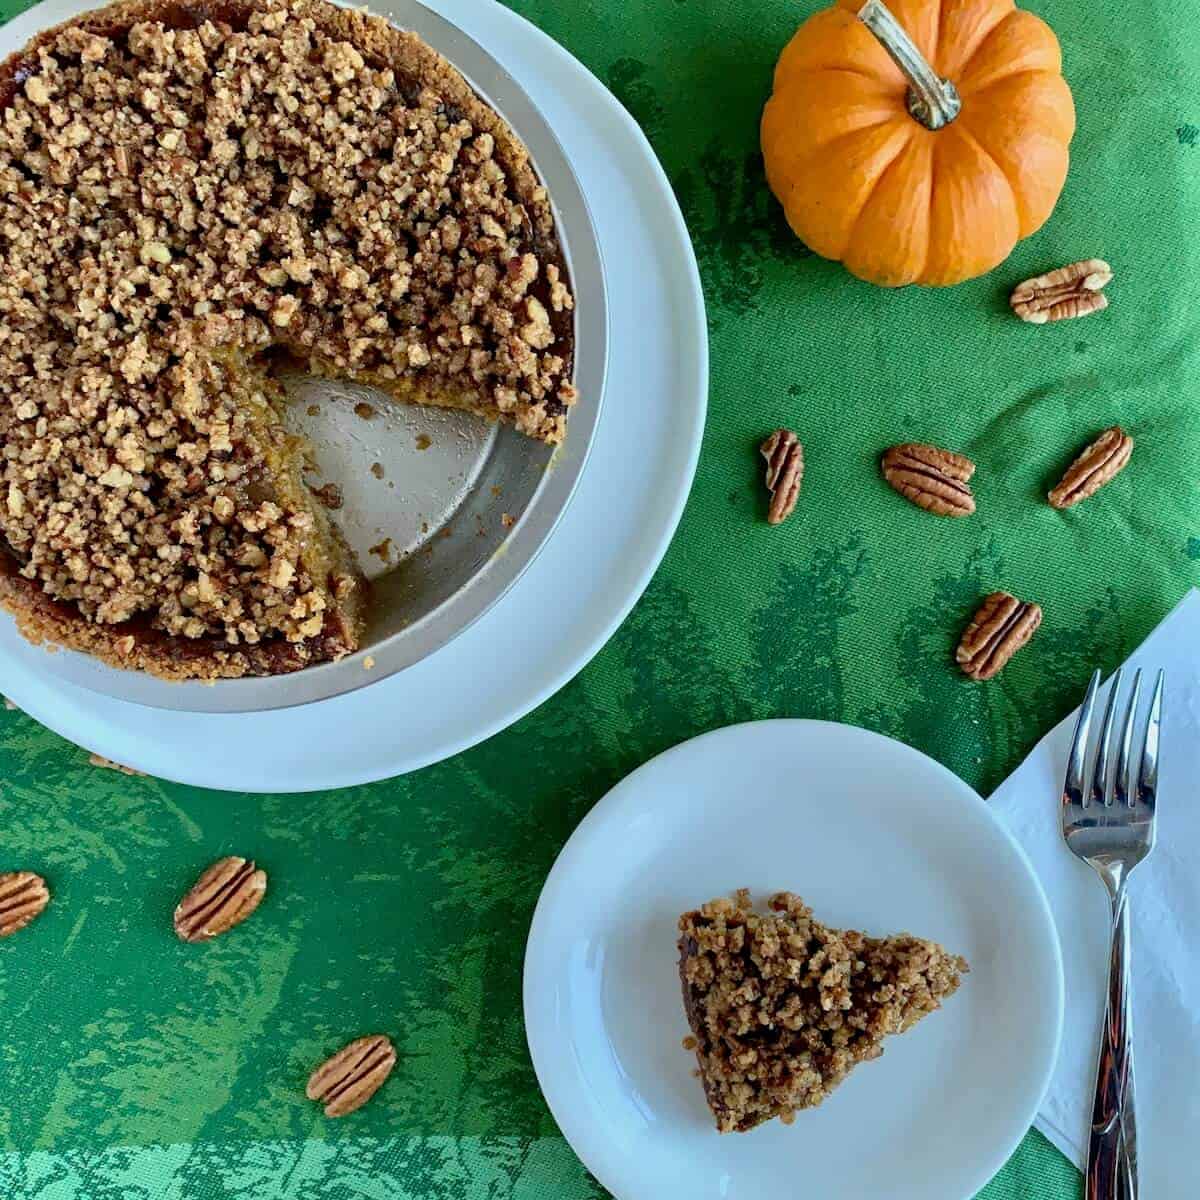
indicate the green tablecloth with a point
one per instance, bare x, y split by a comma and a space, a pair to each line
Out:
133, 1066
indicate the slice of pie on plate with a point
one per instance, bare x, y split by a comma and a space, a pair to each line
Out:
782, 1008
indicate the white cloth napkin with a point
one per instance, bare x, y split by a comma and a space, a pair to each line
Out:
1165, 903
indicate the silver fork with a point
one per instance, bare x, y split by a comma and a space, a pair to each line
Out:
1111, 826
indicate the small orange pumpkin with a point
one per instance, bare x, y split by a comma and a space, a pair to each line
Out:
919, 147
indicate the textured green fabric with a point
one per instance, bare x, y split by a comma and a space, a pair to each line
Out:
133, 1066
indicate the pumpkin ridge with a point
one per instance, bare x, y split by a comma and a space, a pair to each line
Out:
840, 69
965, 131
799, 57
935, 42
886, 88
904, 145
870, 76
1019, 17
1045, 151
857, 120
866, 127
954, 70
846, 135
907, 178
999, 81
933, 181
991, 33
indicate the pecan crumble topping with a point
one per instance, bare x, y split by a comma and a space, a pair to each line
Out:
179, 195
782, 1007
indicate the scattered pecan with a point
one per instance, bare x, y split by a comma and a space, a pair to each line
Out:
933, 479
23, 896
353, 1075
1002, 625
1071, 291
1103, 460
224, 896
785, 470
107, 764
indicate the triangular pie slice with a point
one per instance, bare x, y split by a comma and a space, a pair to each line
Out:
782, 1008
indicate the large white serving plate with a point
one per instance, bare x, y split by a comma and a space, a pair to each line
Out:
594, 567
875, 836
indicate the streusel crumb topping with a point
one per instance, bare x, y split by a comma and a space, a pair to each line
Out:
173, 202
782, 1007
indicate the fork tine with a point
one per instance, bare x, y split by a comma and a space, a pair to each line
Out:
1100, 773
1123, 783
1073, 786
1148, 776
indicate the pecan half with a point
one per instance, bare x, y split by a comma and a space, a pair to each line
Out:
933, 479
785, 470
997, 631
23, 896
107, 764
353, 1075
1071, 291
224, 896
1103, 460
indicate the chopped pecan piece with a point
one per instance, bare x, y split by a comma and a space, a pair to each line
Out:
1071, 291
353, 1075
785, 470
23, 896
997, 631
933, 479
224, 896
330, 495
1103, 460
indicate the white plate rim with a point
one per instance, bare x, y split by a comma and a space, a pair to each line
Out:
623, 798
651, 544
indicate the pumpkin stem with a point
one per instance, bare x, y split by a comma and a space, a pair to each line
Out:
931, 100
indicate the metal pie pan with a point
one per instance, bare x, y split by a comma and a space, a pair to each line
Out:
444, 509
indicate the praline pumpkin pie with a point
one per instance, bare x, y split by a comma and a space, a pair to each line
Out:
782, 1007
186, 192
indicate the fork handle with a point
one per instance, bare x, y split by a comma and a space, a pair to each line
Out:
1112, 1147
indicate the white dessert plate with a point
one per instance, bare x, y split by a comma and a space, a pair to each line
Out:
590, 573
875, 836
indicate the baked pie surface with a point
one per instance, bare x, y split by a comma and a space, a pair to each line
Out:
783, 1007
185, 192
